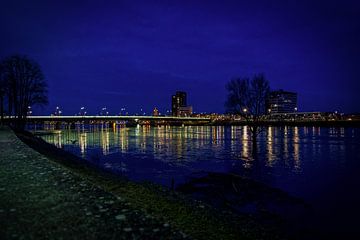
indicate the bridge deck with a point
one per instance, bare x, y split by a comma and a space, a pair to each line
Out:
166, 118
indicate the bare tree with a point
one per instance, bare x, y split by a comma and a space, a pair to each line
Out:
247, 98
26, 86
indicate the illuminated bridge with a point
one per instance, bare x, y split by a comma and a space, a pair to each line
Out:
152, 120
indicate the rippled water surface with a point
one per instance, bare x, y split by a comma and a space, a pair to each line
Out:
320, 165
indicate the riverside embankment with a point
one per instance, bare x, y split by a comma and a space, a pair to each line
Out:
40, 198
50, 196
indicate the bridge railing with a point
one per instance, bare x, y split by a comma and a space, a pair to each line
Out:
118, 117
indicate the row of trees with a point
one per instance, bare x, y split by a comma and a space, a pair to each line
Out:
22, 84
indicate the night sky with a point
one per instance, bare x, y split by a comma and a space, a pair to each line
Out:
136, 54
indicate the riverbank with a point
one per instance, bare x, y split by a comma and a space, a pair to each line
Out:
53, 194
41, 199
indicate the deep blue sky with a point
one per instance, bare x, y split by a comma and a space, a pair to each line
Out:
136, 53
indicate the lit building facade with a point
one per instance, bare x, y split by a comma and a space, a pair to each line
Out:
179, 105
281, 102
185, 111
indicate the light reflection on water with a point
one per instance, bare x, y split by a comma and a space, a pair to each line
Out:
318, 164
176, 152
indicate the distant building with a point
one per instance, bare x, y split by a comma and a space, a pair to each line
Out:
179, 105
155, 112
185, 111
281, 102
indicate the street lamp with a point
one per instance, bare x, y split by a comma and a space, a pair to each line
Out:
103, 111
122, 110
57, 111
82, 111
29, 112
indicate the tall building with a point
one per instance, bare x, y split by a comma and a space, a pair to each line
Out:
179, 105
281, 102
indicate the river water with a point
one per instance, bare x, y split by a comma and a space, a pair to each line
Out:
319, 165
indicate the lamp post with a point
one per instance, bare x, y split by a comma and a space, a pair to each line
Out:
29, 111
82, 111
57, 111
103, 111
122, 111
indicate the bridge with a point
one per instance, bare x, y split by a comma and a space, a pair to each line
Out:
115, 118
130, 120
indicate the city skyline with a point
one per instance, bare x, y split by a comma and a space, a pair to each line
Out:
275, 103
125, 54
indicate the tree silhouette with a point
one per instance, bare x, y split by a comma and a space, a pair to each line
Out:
24, 86
247, 98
